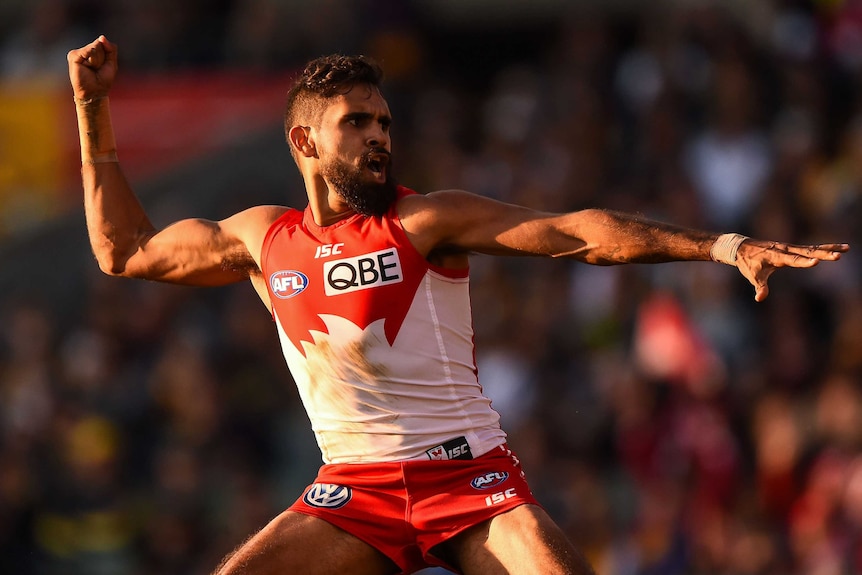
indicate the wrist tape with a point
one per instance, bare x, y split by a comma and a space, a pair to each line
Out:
725, 247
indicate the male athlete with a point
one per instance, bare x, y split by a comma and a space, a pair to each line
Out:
368, 287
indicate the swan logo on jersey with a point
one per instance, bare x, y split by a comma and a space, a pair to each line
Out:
362, 272
327, 495
287, 283
489, 480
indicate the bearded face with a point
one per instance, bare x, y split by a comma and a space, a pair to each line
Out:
355, 186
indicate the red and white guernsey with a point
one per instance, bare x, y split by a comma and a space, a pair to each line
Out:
379, 341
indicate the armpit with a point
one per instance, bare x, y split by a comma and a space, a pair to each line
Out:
241, 263
449, 257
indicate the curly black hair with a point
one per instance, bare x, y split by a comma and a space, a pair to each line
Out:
324, 78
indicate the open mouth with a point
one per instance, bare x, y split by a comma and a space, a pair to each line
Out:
377, 162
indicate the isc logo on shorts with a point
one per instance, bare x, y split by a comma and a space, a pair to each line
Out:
362, 272
500, 497
327, 495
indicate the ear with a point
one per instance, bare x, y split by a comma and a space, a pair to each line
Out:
300, 139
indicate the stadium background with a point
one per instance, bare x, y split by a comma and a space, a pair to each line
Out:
669, 423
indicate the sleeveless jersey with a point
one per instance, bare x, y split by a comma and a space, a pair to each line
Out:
378, 340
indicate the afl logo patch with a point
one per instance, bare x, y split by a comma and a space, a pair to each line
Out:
489, 480
327, 495
287, 283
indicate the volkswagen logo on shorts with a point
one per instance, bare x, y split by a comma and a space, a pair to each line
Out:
327, 495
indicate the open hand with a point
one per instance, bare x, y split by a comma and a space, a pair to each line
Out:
92, 69
757, 260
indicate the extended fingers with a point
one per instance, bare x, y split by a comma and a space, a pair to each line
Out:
795, 255
759, 259
773, 254
829, 252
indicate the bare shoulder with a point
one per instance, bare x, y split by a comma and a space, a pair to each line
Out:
251, 225
443, 209
257, 216
437, 204
426, 217
459, 220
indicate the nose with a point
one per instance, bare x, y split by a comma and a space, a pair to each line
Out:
378, 137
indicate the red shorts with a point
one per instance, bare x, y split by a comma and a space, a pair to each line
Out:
404, 509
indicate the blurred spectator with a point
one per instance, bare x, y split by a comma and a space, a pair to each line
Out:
730, 160
36, 48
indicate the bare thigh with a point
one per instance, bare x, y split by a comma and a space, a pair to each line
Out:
524, 540
298, 543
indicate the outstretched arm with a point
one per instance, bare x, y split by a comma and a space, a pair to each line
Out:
456, 220
123, 239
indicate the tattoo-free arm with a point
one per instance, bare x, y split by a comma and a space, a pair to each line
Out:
605, 237
456, 220
123, 239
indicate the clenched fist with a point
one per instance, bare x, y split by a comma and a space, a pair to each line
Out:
92, 69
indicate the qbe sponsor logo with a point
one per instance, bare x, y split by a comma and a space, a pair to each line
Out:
489, 480
362, 272
288, 283
327, 495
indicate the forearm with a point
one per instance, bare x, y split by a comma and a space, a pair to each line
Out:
116, 221
611, 237
473, 223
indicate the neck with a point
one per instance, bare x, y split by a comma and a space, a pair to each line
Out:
326, 205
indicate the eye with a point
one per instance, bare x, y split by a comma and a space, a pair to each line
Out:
357, 120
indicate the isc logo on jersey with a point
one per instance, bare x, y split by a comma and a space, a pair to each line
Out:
362, 272
327, 495
287, 283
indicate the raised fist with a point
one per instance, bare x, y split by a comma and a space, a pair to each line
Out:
92, 69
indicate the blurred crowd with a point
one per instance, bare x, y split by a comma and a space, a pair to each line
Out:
667, 421
160, 35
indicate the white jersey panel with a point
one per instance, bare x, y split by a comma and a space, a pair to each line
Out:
372, 402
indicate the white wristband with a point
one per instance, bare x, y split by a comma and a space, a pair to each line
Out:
725, 247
